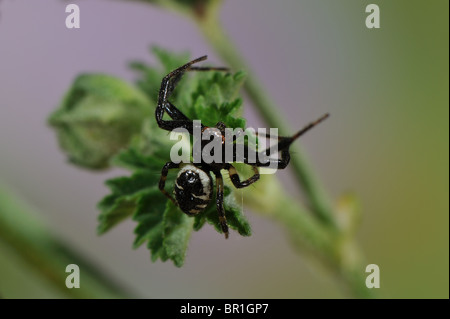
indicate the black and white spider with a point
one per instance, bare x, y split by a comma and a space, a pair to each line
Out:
193, 185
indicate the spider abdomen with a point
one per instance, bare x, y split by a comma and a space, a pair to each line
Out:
193, 189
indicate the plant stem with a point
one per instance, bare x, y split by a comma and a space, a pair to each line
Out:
213, 32
334, 249
22, 231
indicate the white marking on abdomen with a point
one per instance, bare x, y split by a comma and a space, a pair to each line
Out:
203, 197
178, 185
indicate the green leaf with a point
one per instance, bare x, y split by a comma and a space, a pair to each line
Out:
177, 232
133, 159
233, 213
126, 191
119, 209
215, 98
166, 229
149, 215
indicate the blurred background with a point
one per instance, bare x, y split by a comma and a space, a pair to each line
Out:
387, 139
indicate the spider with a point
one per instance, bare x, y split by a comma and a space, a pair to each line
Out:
193, 185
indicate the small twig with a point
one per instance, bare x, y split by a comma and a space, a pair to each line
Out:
335, 250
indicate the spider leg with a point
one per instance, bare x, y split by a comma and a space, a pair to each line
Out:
283, 146
208, 68
266, 135
162, 181
175, 113
234, 176
262, 159
168, 84
280, 163
285, 142
219, 203
179, 119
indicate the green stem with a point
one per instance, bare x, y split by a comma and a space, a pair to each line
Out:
335, 249
210, 27
22, 231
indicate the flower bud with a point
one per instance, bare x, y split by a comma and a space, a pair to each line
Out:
98, 116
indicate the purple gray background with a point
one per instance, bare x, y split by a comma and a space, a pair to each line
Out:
387, 138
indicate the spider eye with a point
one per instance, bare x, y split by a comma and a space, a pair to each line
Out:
190, 181
191, 177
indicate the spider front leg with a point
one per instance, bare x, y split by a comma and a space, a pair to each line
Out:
162, 181
219, 203
234, 176
168, 84
179, 120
